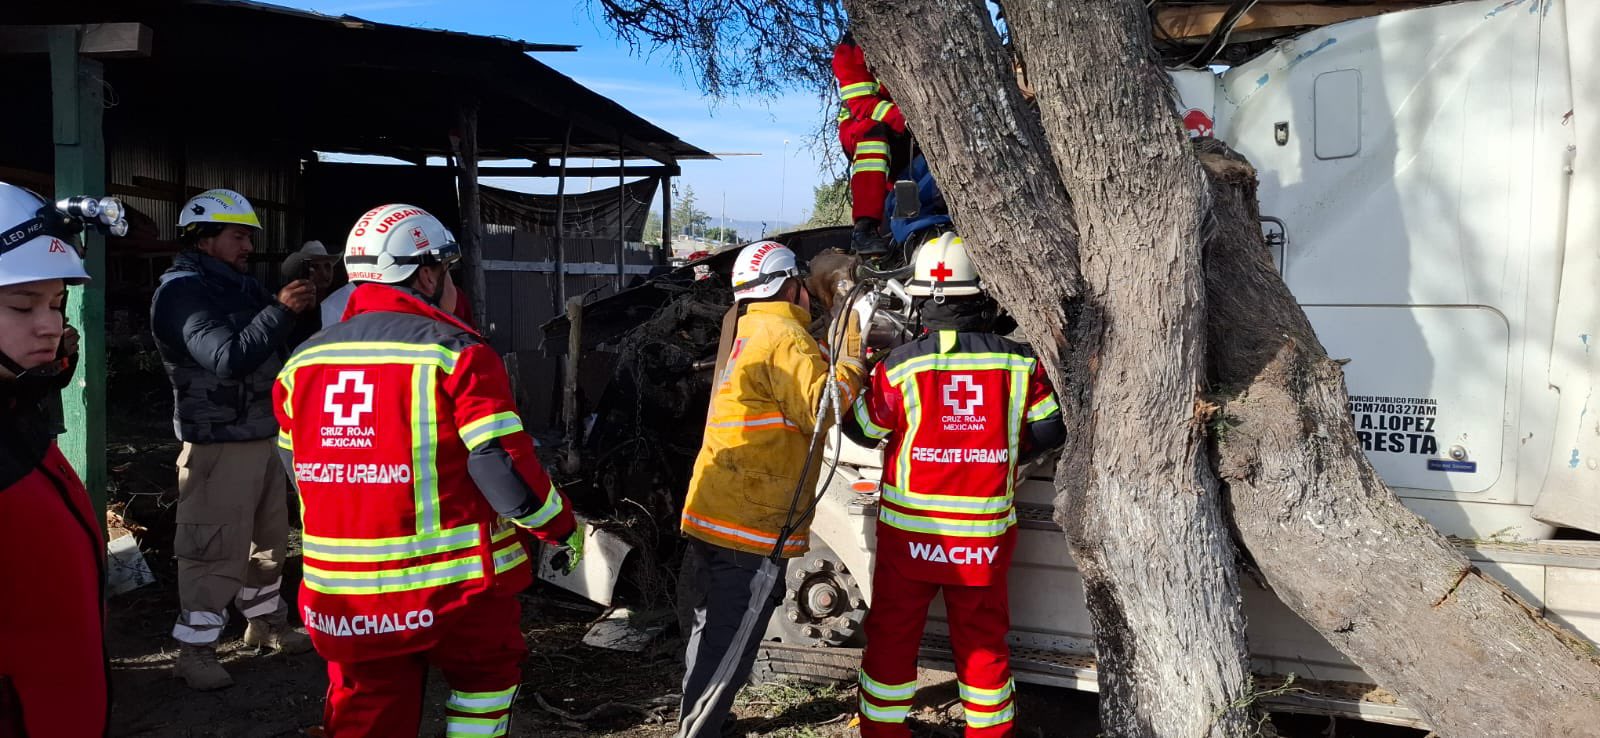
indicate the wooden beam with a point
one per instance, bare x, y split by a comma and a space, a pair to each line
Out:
80, 161
99, 40
665, 256
1196, 22
545, 170
472, 216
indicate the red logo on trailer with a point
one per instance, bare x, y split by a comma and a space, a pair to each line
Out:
1198, 124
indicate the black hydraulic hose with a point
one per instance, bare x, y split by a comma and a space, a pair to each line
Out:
836, 337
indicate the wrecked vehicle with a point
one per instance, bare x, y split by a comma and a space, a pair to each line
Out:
1455, 277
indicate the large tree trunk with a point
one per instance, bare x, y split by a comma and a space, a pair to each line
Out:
1117, 318
1336, 545
1136, 494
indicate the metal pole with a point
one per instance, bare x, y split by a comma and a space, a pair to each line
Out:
80, 159
783, 182
722, 224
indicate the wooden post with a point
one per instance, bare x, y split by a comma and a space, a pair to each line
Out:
560, 257
665, 255
472, 216
622, 220
570, 423
80, 161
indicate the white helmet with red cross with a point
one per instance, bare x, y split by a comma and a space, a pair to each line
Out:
37, 241
943, 269
762, 269
391, 241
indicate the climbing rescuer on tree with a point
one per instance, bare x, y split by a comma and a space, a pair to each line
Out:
869, 125
958, 407
52, 557
753, 457
418, 487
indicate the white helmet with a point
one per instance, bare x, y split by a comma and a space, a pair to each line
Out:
943, 269
391, 241
761, 270
218, 206
36, 241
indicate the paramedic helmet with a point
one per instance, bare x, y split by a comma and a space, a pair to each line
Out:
942, 268
391, 241
761, 270
37, 241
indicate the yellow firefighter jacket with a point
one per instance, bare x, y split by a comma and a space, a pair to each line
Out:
763, 412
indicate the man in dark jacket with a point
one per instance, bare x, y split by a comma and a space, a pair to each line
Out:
222, 340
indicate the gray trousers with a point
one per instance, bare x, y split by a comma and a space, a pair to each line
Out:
719, 581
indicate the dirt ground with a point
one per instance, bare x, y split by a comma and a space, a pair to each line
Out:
569, 689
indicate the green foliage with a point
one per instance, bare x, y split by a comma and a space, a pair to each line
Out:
831, 206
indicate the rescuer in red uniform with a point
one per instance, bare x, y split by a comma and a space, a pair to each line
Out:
869, 125
958, 406
418, 487
52, 556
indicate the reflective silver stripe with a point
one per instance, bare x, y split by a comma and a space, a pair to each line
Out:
199, 627
864, 419
887, 692
377, 582
463, 727
942, 527
351, 551
479, 432
376, 353
981, 696
726, 531
947, 503
509, 556
890, 714
547, 512
990, 719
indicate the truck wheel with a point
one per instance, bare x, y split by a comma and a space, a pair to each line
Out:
822, 605
825, 666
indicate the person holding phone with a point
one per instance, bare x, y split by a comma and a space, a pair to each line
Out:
52, 553
222, 340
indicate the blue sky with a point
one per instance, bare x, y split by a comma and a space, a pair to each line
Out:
647, 84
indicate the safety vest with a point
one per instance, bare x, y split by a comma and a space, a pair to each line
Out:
379, 414
952, 406
763, 413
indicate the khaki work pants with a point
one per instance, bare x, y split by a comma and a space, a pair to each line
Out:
233, 529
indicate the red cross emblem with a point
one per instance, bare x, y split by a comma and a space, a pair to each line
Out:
962, 395
348, 400
941, 272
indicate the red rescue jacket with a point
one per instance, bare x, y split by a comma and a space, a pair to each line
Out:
414, 475
52, 558
863, 101
953, 406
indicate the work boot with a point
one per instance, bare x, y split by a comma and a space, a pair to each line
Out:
197, 666
865, 240
262, 633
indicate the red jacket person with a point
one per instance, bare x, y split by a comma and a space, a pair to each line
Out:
958, 407
418, 487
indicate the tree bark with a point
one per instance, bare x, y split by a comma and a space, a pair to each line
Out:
1124, 338
1121, 319
1337, 546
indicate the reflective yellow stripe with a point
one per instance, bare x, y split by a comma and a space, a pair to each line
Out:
320, 548
870, 165
488, 428
1004, 715
1043, 409
864, 419
947, 341
988, 697
872, 147
509, 557
375, 352
248, 219
285, 441
506, 530
946, 527
911, 405
890, 714
547, 512
481, 702
424, 449
390, 581
286, 378
881, 111
887, 692
859, 89
959, 362
947, 503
